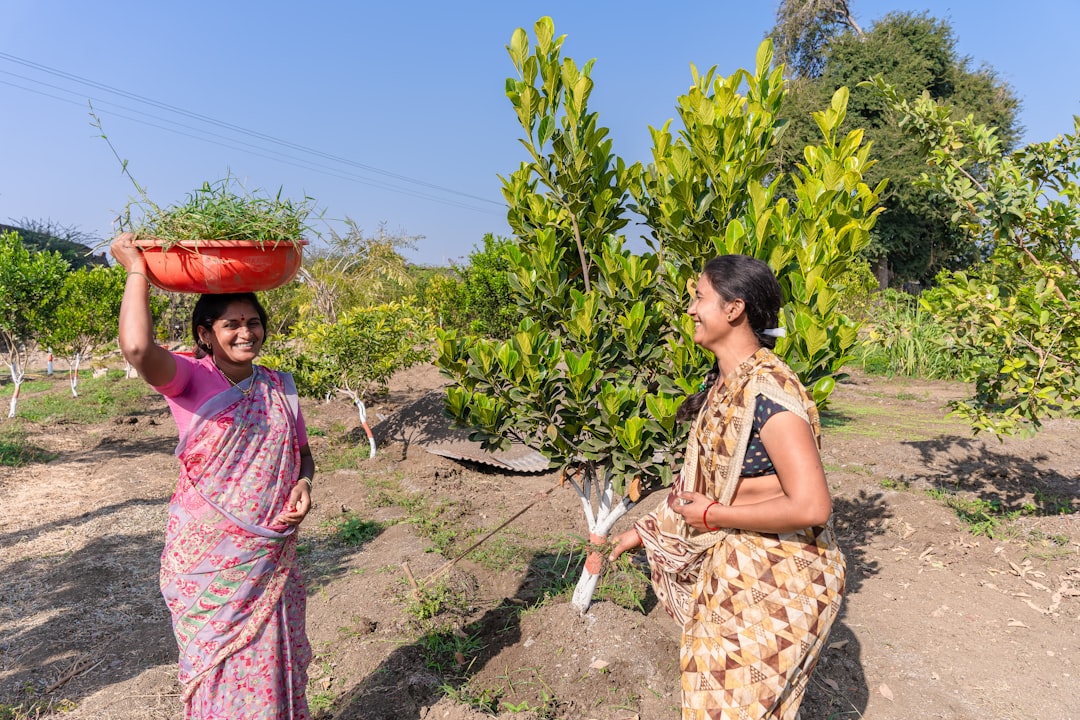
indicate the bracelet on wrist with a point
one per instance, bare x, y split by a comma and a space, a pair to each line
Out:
705, 517
310, 485
142, 275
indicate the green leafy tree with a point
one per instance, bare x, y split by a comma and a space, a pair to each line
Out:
356, 354
804, 31
87, 315
1021, 309
30, 291
602, 357
73, 244
914, 238
484, 292
438, 289
713, 191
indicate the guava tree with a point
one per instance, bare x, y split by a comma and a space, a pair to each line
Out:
30, 284
356, 354
1021, 309
86, 316
602, 358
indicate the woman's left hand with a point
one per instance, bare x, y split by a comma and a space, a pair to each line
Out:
298, 506
692, 506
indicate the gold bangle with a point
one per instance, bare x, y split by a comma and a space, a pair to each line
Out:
142, 275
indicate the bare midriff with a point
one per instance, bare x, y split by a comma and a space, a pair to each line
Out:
758, 489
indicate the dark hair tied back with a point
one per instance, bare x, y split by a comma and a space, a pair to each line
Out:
740, 277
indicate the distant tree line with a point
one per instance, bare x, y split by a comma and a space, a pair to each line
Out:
74, 245
823, 48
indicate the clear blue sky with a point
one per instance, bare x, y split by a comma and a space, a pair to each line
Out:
390, 112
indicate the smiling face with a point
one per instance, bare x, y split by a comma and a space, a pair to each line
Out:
237, 336
710, 312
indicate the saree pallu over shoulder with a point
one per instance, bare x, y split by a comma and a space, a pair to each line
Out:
226, 572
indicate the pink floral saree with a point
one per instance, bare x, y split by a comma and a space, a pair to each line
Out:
229, 578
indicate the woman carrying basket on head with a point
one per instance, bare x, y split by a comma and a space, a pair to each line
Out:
228, 571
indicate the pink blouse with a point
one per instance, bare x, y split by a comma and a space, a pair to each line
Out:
195, 382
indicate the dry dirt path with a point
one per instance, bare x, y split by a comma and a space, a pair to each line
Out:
938, 622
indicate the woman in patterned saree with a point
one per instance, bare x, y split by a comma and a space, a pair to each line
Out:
742, 550
228, 570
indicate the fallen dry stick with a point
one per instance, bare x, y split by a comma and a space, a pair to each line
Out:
450, 563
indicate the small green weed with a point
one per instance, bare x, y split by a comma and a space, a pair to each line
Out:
983, 517
320, 701
35, 709
1050, 504
546, 708
438, 597
501, 553
440, 524
484, 699
1046, 547
448, 653
624, 584
15, 452
355, 531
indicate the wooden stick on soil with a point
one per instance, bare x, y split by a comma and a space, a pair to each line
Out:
77, 668
450, 563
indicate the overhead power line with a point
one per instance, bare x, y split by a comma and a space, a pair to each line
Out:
251, 148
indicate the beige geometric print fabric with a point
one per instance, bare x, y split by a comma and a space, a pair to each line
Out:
755, 608
761, 615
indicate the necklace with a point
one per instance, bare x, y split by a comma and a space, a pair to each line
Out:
243, 391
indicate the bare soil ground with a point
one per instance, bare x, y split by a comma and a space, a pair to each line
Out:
938, 622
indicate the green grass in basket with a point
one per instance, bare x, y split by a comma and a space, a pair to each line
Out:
225, 211
222, 210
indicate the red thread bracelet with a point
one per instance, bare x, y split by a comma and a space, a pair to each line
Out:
705, 517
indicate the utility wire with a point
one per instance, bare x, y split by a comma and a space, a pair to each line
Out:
233, 128
235, 144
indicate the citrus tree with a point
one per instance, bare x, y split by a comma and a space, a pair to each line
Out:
30, 291
1021, 309
713, 191
602, 357
86, 316
356, 354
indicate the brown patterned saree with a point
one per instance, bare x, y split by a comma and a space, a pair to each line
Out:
755, 608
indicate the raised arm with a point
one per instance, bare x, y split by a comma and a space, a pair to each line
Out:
154, 363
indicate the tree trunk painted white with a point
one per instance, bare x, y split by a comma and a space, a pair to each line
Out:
363, 422
73, 376
17, 374
359, 403
600, 520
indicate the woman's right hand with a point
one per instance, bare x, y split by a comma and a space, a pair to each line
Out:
126, 253
623, 542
